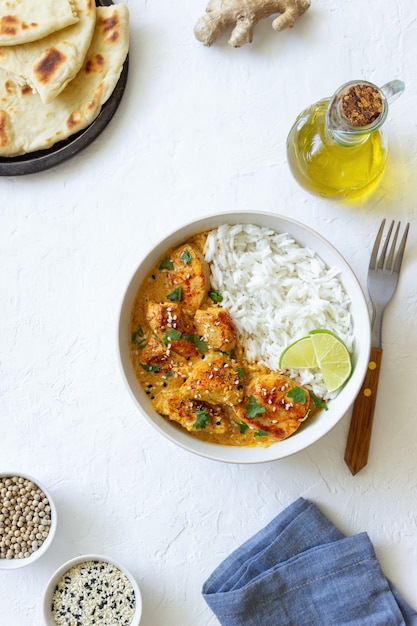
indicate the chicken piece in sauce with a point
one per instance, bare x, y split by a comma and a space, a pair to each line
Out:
192, 414
214, 379
191, 276
155, 353
216, 327
172, 326
274, 404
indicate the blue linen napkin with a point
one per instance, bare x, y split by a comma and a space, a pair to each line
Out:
300, 570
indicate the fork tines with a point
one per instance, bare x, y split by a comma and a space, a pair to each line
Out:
392, 263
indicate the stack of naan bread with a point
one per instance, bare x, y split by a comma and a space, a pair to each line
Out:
60, 61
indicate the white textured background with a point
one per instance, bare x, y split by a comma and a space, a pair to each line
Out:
199, 130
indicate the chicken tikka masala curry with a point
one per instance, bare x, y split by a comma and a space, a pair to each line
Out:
187, 357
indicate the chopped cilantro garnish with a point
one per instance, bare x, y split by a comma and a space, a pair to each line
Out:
253, 408
175, 295
203, 419
198, 342
243, 427
240, 372
169, 374
151, 368
260, 433
166, 264
138, 338
171, 335
318, 402
186, 257
297, 394
215, 295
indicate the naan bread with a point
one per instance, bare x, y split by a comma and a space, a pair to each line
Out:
48, 64
26, 20
27, 124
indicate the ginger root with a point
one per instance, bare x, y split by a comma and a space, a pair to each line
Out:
245, 14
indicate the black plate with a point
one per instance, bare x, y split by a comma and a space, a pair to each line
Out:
44, 159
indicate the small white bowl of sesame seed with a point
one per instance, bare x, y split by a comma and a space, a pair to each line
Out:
28, 520
92, 589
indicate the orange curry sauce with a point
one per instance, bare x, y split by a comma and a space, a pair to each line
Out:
187, 357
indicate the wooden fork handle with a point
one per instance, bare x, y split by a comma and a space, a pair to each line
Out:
359, 437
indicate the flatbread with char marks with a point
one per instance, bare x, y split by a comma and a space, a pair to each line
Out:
28, 125
49, 64
22, 21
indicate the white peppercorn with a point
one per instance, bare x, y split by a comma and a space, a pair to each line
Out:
25, 517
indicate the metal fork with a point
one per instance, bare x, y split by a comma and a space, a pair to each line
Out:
383, 275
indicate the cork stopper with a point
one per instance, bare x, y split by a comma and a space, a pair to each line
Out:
361, 105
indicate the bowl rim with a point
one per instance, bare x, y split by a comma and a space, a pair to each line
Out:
64, 567
299, 441
10, 564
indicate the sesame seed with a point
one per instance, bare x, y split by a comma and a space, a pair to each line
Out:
93, 592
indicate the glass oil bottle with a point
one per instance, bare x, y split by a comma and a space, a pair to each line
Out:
337, 147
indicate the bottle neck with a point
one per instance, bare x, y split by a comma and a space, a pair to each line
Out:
355, 111
347, 139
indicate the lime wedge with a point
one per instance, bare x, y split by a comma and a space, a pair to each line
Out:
298, 355
324, 350
332, 357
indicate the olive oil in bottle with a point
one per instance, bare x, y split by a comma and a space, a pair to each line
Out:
337, 147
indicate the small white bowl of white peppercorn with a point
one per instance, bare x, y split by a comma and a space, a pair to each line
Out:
92, 589
28, 520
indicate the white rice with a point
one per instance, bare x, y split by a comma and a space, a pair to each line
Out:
276, 292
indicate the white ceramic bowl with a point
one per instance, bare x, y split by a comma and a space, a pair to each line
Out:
65, 567
17, 563
337, 407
